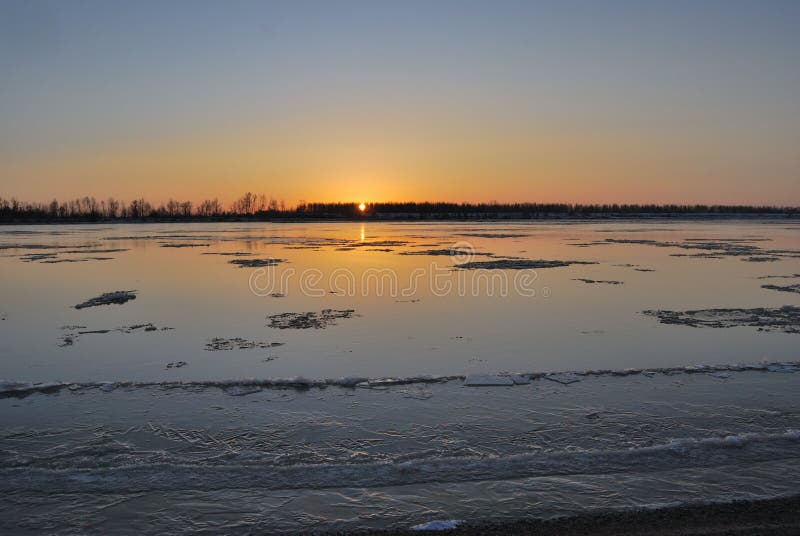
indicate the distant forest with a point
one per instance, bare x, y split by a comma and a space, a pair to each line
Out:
261, 207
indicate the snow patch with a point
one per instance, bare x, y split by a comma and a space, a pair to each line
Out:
440, 524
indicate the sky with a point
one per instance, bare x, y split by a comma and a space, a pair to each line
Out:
643, 101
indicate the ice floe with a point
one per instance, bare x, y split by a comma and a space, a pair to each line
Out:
517, 264
520, 379
308, 320
255, 263
785, 319
784, 288
237, 343
447, 252
74, 332
117, 297
707, 248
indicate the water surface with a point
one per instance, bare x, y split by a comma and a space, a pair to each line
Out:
414, 314
325, 390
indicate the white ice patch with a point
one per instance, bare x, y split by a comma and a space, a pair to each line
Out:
440, 524
475, 380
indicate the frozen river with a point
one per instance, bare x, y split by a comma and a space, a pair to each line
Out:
311, 376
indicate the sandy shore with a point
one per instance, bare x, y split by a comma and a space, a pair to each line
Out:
775, 516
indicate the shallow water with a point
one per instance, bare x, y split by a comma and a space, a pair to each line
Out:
139, 428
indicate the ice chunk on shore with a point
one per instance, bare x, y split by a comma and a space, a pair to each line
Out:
520, 379
439, 524
27, 387
475, 380
564, 378
787, 369
350, 381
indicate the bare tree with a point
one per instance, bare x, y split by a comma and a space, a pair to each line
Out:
112, 208
172, 207
245, 204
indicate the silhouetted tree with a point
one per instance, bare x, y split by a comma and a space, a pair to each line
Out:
260, 206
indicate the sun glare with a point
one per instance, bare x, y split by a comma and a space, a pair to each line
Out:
362, 207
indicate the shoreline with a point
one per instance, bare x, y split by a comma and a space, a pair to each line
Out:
23, 388
433, 218
741, 517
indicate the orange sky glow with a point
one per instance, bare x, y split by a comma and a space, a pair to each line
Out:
437, 101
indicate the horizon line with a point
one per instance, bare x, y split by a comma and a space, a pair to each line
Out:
268, 200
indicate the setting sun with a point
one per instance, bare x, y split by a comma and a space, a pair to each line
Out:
362, 207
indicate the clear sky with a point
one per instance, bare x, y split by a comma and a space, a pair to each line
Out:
596, 101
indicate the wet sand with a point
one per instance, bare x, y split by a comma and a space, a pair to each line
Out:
773, 516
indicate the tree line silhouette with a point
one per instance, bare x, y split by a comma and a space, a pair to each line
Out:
90, 209
252, 206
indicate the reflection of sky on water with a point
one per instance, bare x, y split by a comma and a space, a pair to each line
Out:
446, 322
